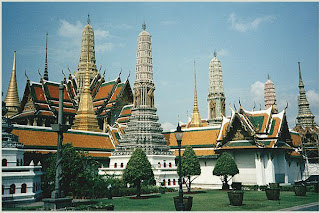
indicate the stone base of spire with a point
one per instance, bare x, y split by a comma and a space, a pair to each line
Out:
149, 149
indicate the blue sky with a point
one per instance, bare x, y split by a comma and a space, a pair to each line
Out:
252, 40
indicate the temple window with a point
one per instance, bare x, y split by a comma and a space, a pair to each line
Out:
169, 182
170, 165
12, 189
159, 165
121, 165
115, 165
174, 181
24, 188
4, 162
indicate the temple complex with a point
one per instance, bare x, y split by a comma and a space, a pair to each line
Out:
39, 104
109, 120
216, 98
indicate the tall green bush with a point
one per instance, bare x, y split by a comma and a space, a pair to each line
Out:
225, 167
190, 166
137, 170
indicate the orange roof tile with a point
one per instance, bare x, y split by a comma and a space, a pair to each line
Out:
39, 93
296, 139
199, 152
194, 137
104, 91
42, 137
116, 92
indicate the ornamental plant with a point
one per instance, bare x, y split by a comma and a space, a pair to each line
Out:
137, 170
225, 167
190, 166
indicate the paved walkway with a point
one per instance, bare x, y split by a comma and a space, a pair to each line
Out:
306, 207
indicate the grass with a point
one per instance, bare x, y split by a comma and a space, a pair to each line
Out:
210, 200
214, 200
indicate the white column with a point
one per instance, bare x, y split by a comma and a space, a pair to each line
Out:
260, 175
285, 169
270, 176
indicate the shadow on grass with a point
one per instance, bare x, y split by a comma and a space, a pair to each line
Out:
143, 197
195, 192
84, 202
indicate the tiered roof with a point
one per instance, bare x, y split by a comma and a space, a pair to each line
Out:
45, 140
42, 99
256, 129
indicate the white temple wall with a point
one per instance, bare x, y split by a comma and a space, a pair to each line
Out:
206, 179
245, 161
294, 171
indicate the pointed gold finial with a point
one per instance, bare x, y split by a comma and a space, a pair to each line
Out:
12, 97
195, 116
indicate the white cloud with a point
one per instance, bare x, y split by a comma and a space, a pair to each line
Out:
313, 98
167, 126
257, 88
222, 52
101, 34
104, 47
70, 30
241, 26
257, 92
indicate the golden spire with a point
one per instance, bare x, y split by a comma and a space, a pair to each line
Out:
12, 98
195, 116
85, 118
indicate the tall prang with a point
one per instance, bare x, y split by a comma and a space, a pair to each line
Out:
305, 117
216, 98
12, 97
270, 96
143, 130
87, 34
86, 119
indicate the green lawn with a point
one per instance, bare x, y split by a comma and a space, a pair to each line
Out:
210, 200
214, 200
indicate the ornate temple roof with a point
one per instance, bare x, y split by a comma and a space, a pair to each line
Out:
257, 129
37, 138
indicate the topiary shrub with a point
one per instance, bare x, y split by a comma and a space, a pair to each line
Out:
224, 168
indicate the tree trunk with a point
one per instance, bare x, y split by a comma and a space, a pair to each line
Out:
225, 185
189, 184
138, 188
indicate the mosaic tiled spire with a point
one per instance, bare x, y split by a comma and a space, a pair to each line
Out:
216, 98
270, 95
195, 116
143, 130
45, 75
85, 118
12, 97
87, 40
305, 117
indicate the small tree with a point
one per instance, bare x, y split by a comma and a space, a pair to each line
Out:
225, 167
190, 166
138, 169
